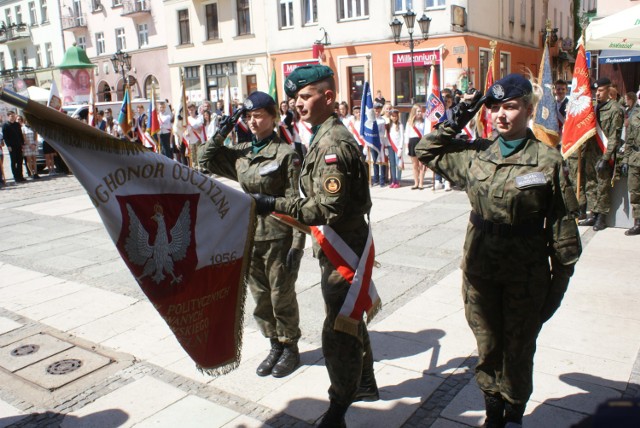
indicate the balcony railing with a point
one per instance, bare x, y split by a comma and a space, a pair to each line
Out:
134, 8
73, 22
14, 32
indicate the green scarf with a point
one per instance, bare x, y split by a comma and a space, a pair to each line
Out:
256, 145
507, 148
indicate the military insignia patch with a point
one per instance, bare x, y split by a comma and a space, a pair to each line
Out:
331, 158
248, 104
498, 92
332, 185
530, 180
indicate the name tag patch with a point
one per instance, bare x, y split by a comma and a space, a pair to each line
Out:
331, 158
269, 168
530, 180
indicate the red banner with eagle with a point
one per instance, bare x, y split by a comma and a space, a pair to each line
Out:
185, 237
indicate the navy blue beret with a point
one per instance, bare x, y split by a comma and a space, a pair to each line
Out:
603, 81
305, 75
257, 100
508, 88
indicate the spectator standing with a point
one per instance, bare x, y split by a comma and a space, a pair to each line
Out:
631, 168
13, 138
379, 98
165, 119
396, 142
413, 132
380, 164
30, 147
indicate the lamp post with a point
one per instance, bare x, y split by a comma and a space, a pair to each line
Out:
396, 27
121, 63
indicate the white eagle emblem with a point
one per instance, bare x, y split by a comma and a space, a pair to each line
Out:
498, 91
578, 100
159, 257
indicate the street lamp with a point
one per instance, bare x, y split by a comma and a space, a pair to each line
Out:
396, 28
121, 62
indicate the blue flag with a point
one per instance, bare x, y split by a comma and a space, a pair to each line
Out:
545, 122
368, 125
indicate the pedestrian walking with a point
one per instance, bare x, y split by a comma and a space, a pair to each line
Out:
13, 138
522, 241
334, 192
267, 165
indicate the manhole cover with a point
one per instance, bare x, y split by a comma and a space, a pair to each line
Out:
25, 350
64, 366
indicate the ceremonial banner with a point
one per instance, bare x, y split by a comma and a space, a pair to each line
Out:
435, 110
580, 124
125, 117
483, 119
55, 101
368, 124
153, 124
185, 237
545, 119
273, 90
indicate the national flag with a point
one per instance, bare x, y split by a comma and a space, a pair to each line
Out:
185, 237
126, 115
91, 119
273, 89
545, 119
153, 124
368, 124
435, 109
483, 119
54, 101
580, 124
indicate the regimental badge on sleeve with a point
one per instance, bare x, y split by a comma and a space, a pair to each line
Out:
332, 185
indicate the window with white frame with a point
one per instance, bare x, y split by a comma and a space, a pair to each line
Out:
81, 42
143, 35
505, 64
44, 14
100, 49
18, 14
286, 13
310, 11
512, 11
523, 12
38, 56
121, 40
352, 9
184, 34
33, 17
25, 58
14, 58
211, 14
400, 6
243, 15
434, 3
8, 16
49, 52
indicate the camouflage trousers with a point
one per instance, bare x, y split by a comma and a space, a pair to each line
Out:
597, 184
347, 357
572, 163
505, 319
273, 290
633, 183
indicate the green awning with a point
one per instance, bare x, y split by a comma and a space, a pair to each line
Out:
76, 57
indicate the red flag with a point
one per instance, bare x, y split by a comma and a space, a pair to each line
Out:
580, 124
185, 237
153, 125
435, 109
485, 124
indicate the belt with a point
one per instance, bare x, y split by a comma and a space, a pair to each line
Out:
504, 229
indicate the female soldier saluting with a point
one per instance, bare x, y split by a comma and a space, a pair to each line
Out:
267, 165
522, 240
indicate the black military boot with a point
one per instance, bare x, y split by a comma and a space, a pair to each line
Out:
601, 222
368, 388
582, 214
334, 418
635, 230
266, 366
288, 362
494, 405
590, 220
513, 415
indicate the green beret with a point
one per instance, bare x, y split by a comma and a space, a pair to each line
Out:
305, 75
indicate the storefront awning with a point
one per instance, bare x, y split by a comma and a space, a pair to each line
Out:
614, 56
618, 31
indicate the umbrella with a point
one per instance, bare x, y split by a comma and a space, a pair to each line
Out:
618, 31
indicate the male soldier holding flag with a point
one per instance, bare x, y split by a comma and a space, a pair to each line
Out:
335, 193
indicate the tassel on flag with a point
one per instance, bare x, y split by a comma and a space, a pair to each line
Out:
55, 101
368, 124
545, 119
580, 124
126, 115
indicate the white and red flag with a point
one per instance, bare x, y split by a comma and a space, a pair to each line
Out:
435, 108
483, 119
580, 124
184, 236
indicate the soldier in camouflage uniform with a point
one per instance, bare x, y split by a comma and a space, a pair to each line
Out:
270, 166
336, 193
522, 240
631, 169
598, 172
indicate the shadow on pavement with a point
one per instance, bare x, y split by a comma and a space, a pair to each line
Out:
110, 418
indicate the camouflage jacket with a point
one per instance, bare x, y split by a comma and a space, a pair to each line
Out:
504, 191
333, 183
632, 143
274, 170
611, 119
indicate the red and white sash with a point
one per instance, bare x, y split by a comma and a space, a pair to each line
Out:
356, 134
284, 131
362, 296
393, 145
417, 132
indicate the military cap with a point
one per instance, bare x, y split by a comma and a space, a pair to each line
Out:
257, 100
603, 81
508, 88
305, 75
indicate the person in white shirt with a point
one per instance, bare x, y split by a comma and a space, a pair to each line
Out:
343, 113
193, 133
165, 117
413, 132
396, 145
380, 162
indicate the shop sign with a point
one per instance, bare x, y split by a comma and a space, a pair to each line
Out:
420, 59
287, 68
